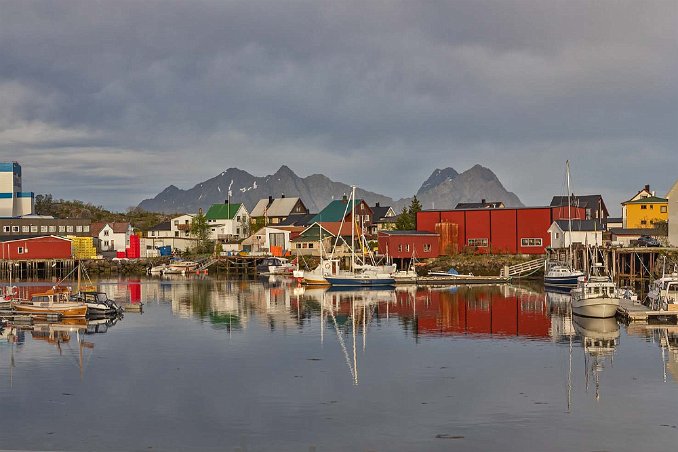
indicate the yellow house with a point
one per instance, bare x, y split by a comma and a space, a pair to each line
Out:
645, 210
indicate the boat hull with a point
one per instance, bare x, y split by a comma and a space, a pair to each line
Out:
561, 281
595, 307
347, 281
74, 310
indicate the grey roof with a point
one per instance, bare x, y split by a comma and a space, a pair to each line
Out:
164, 226
280, 207
585, 201
638, 231
480, 205
298, 220
379, 212
580, 225
394, 232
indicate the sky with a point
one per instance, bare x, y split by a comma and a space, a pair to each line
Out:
109, 102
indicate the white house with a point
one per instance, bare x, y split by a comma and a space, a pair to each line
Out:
583, 231
112, 236
228, 221
267, 237
672, 196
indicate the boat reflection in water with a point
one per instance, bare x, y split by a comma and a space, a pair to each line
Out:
599, 337
66, 335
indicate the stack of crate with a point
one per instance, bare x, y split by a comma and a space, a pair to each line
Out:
83, 247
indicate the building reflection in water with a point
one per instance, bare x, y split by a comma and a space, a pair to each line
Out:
666, 338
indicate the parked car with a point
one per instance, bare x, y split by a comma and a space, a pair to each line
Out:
646, 240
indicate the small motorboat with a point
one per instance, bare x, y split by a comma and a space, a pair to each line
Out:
275, 266
98, 303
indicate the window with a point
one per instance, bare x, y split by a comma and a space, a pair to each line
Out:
78, 228
400, 247
34, 229
310, 245
25, 228
407, 247
176, 222
298, 245
62, 228
427, 247
106, 243
176, 233
238, 218
70, 229
15, 228
43, 228
531, 242
643, 221
643, 207
478, 242
20, 250
52, 228
662, 209
5, 229
106, 231
651, 206
85, 228
557, 235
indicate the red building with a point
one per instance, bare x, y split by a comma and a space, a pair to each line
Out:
47, 247
522, 230
405, 244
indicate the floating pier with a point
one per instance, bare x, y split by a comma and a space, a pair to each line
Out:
634, 311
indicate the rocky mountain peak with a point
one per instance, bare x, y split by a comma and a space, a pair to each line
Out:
436, 178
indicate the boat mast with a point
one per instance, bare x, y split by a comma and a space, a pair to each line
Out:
353, 228
569, 215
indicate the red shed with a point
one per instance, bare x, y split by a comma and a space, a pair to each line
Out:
47, 247
522, 230
405, 244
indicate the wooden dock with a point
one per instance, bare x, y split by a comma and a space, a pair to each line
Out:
637, 312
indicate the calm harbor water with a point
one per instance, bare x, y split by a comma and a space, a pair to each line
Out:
265, 365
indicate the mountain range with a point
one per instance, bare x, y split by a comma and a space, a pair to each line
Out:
442, 190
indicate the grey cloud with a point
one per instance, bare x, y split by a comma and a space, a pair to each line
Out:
359, 91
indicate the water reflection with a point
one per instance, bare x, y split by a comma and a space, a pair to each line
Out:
599, 337
66, 337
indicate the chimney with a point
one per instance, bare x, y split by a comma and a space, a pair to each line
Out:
270, 199
482, 201
226, 201
283, 195
647, 188
377, 205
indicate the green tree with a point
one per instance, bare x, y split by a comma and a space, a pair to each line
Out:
200, 230
407, 220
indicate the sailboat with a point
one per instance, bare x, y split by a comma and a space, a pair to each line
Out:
361, 275
558, 275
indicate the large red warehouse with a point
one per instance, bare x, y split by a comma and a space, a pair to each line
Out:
522, 230
47, 247
405, 244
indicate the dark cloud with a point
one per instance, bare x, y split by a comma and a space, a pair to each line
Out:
145, 94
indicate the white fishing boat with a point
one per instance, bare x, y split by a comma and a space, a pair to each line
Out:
663, 293
595, 295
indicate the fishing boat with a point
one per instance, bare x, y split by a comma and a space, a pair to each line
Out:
595, 295
559, 275
361, 275
53, 301
663, 293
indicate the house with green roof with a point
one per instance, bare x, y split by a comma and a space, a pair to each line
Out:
645, 210
341, 209
228, 221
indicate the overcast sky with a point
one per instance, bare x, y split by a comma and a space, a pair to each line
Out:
110, 102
